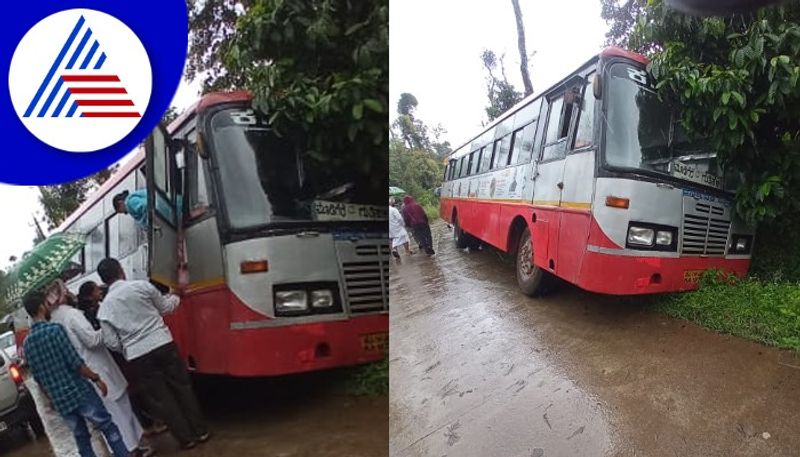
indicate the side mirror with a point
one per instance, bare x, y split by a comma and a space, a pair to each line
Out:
597, 86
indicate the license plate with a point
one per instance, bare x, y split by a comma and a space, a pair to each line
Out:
692, 276
375, 342
3, 426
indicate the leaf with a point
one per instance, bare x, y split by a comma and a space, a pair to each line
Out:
726, 96
739, 98
373, 105
358, 111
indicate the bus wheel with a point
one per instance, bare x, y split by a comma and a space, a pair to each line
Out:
460, 237
530, 278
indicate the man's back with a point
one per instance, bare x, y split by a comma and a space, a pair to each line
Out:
130, 317
54, 364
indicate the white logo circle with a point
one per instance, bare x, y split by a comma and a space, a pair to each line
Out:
80, 80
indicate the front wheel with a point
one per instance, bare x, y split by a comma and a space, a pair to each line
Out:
530, 277
460, 237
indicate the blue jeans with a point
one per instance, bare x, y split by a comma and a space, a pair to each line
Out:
93, 410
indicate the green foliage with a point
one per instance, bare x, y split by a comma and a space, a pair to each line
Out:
501, 93
768, 312
319, 68
370, 380
416, 171
60, 200
775, 256
736, 80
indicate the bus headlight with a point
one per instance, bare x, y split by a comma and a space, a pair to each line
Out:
321, 298
740, 244
664, 237
640, 236
291, 301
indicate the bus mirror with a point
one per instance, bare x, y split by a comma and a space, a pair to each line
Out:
597, 86
201, 147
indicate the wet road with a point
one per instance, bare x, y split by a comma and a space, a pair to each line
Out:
477, 369
298, 416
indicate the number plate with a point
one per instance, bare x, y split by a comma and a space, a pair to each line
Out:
375, 342
692, 276
3, 426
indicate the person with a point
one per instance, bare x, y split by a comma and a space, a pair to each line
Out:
416, 218
89, 296
134, 204
132, 323
397, 231
64, 378
88, 342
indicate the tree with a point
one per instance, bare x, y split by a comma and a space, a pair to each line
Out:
170, 115
523, 54
502, 94
60, 200
319, 68
621, 18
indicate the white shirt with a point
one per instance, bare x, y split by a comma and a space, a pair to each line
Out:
130, 318
397, 225
88, 342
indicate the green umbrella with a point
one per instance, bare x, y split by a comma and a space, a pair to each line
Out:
45, 263
395, 191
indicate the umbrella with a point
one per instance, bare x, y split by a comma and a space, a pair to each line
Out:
45, 263
395, 191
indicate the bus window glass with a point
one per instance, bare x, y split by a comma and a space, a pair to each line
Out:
199, 189
585, 131
95, 247
526, 143
462, 168
122, 236
486, 160
481, 153
160, 161
554, 144
502, 150
516, 146
470, 163
474, 158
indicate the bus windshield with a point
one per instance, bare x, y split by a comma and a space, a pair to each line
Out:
644, 133
265, 180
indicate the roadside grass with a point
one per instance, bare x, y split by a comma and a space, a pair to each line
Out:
759, 310
432, 211
369, 380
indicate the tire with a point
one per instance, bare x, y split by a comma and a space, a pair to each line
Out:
530, 278
459, 236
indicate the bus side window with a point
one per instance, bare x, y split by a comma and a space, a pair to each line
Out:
523, 144
95, 247
557, 129
486, 163
585, 131
481, 152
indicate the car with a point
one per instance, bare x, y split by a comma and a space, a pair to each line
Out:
17, 409
8, 343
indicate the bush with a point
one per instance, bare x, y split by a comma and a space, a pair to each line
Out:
764, 311
370, 380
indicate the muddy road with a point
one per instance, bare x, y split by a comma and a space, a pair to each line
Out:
297, 416
477, 369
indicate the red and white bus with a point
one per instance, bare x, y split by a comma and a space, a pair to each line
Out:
283, 259
595, 182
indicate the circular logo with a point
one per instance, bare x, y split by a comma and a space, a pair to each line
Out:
80, 80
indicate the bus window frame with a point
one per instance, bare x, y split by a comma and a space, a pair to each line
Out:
594, 145
566, 140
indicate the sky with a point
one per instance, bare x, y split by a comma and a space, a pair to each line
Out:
18, 204
435, 48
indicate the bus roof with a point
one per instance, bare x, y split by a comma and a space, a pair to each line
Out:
610, 51
206, 101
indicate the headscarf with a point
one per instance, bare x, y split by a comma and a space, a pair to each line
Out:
412, 212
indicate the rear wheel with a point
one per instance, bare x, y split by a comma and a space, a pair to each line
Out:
530, 277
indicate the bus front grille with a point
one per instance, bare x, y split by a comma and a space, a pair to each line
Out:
705, 228
367, 285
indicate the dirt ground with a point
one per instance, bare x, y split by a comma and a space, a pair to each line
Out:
297, 416
478, 369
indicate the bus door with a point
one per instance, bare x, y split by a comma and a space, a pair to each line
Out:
162, 237
549, 182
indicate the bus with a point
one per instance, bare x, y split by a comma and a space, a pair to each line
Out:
282, 260
595, 182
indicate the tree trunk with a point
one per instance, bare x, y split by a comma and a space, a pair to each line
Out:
523, 54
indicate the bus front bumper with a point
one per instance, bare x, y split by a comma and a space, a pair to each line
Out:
632, 275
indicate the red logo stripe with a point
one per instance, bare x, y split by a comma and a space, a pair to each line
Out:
104, 102
90, 78
118, 114
98, 90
